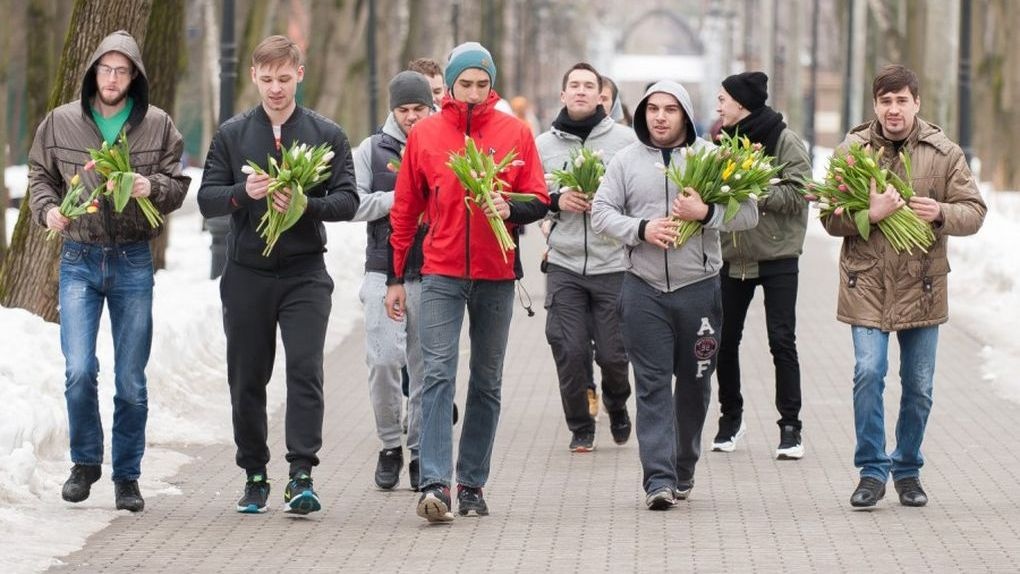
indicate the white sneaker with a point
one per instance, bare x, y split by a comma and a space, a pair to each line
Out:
721, 444
791, 447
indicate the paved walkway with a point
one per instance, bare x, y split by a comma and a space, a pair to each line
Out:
557, 512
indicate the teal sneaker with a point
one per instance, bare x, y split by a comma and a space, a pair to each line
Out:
300, 498
256, 495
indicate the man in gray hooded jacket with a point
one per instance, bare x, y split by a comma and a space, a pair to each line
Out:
389, 344
670, 305
584, 270
105, 255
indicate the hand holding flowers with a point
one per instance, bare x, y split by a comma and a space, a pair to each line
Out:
729, 174
72, 206
113, 164
284, 185
856, 185
479, 173
584, 173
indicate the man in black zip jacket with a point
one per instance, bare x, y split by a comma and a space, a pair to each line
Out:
290, 287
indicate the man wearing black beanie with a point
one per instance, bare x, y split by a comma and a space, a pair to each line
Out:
766, 255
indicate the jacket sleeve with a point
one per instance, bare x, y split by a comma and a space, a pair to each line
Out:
408, 204
530, 179
788, 197
746, 217
608, 211
45, 184
341, 200
373, 204
220, 193
169, 185
964, 210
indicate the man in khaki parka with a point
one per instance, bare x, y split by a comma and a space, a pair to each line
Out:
882, 291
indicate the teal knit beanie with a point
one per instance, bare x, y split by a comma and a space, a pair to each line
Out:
469, 55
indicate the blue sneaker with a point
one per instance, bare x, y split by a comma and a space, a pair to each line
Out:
256, 493
299, 498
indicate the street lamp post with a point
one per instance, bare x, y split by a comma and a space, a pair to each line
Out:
219, 226
964, 80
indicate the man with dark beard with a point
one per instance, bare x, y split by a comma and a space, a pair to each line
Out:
767, 256
105, 255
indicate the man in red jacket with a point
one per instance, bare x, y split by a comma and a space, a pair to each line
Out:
464, 269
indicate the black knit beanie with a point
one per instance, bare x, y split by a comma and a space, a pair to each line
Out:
749, 89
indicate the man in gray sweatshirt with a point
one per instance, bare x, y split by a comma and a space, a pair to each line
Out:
584, 270
670, 305
389, 344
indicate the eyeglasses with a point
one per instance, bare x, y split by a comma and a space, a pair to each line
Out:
104, 70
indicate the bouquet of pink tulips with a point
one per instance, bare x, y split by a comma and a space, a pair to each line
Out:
113, 164
479, 174
847, 187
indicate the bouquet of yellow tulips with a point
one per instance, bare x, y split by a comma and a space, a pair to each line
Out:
728, 174
847, 187
300, 168
72, 207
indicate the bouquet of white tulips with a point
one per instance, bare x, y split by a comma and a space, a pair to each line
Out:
300, 168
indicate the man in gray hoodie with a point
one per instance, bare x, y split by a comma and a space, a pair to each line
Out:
389, 344
584, 270
670, 305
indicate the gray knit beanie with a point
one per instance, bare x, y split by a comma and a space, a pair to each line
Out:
409, 87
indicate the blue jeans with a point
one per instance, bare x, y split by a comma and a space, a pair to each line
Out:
489, 306
917, 372
122, 276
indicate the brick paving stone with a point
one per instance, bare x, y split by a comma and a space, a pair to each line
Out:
553, 511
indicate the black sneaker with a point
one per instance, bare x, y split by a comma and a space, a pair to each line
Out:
868, 492
79, 484
256, 495
128, 496
387, 470
619, 425
434, 504
470, 498
910, 491
661, 499
413, 474
300, 497
790, 445
731, 429
582, 442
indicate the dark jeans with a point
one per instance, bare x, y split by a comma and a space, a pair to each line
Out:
254, 304
582, 310
780, 321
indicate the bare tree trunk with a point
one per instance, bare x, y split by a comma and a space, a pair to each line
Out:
29, 276
996, 86
164, 58
4, 196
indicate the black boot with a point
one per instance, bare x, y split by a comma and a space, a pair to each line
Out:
79, 484
128, 496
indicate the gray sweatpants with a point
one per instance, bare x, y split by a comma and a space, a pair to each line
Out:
670, 335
